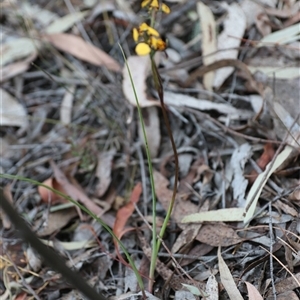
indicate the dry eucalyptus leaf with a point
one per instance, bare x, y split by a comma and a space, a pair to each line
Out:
238, 161
218, 235
65, 23
79, 48
220, 215
12, 113
261, 180
251, 10
16, 68
18, 48
103, 171
263, 24
7, 192
283, 104
181, 208
189, 232
188, 295
295, 195
33, 259
212, 288
67, 105
139, 68
35, 12
209, 41
183, 100
281, 37
152, 129
230, 38
70, 246
74, 192
278, 73
288, 284
227, 279
253, 293
56, 221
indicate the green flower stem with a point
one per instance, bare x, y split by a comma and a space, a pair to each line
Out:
154, 239
159, 88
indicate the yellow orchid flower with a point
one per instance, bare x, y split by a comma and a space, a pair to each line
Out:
159, 44
148, 29
153, 4
142, 49
147, 39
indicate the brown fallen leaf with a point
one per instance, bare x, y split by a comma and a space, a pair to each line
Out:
253, 293
290, 295
287, 284
266, 157
74, 192
218, 235
262, 162
123, 215
283, 12
294, 19
197, 251
56, 221
17, 68
181, 208
263, 24
22, 296
48, 196
103, 171
295, 195
196, 170
286, 208
189, 233
79, 48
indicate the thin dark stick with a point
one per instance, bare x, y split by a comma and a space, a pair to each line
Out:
50, 258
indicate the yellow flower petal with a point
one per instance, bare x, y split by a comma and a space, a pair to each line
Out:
157, 44
143, 27
165, 8
145, 3
154, 4
152, 31
153, 42
161, 45
142, 49
149, 30
135, 34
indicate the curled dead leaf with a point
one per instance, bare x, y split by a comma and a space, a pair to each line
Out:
123, 215
49, 196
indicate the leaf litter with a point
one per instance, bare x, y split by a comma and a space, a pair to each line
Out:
68, 120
